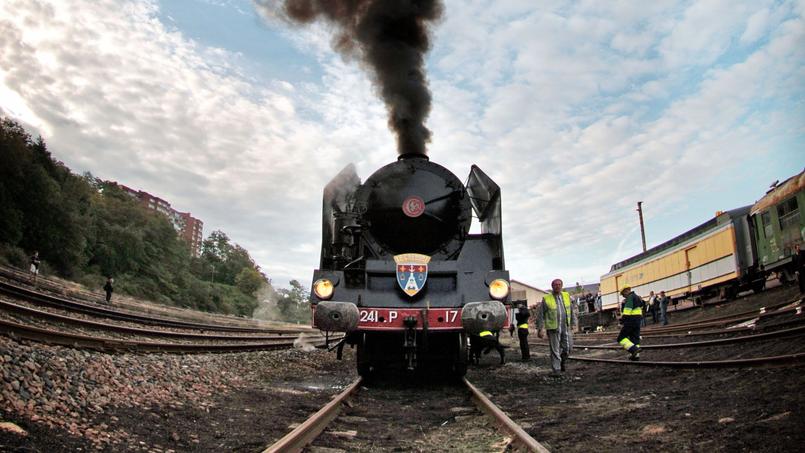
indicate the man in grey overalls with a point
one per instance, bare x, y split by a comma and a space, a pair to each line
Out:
556, 316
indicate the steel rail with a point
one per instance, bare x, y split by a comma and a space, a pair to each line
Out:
745, 315
54, 301
12, 307
52, 285
720, 341
689, 333
296, 440
728, 330
310, 429
770, 310
519, 436
56, 287
21, 331
757, 314
751, 329
703, 363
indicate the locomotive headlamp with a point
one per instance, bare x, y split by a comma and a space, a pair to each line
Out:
323, 288
499, 289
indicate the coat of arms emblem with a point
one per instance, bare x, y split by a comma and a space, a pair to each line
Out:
412, 272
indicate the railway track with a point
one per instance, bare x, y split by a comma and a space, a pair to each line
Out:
782, 308
748, 333
310, 430
22, 321
9, 307
57, 302
793, 307
784, 346
731, 363
759, 338
78, 340
722, 341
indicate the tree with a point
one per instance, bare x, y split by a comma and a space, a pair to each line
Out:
294, 303
14, 143
43, 206
249, 281
228, 259
87, 228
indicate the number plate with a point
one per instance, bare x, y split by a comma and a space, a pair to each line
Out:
392, 318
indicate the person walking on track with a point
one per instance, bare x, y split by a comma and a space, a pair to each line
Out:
663, 303
653, 307
631, 317
35, 261
522, 316
108, 288
554, 317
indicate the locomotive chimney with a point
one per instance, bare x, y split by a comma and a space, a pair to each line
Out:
412, 156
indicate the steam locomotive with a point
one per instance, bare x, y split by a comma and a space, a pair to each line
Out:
400, 273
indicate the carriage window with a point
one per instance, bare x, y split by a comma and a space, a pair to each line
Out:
787, 207
788, 213
766, 219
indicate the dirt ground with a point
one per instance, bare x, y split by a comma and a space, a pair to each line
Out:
163, 403
605, 407
394, 413
609, 407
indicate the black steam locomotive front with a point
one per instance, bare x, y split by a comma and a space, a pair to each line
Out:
400, 273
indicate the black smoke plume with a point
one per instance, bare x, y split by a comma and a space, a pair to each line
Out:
391, 37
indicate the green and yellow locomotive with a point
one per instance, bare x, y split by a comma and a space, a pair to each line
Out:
779, 223
735, 251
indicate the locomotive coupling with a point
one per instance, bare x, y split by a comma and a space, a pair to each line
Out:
336, 316
486, 315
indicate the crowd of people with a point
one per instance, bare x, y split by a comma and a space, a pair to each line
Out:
589, 303
557, 319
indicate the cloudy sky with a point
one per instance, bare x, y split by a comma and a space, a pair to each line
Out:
577, 109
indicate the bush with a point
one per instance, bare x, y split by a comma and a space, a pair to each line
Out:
14, 256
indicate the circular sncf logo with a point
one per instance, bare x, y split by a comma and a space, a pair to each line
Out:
413, 206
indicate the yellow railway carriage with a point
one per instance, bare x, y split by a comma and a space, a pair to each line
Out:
716, 254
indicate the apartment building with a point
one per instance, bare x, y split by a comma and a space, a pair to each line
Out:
189, 228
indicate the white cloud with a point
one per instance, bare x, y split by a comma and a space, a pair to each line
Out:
755, 27
577, 109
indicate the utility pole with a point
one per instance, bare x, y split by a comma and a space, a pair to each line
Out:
642, 228
212, 280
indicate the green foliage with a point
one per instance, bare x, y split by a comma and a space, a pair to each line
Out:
86, 229
294, 303
13, 256
14, 164
249, 281
224, 259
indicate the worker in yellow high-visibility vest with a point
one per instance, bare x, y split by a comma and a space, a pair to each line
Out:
631, 317
555, 318
521, 317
